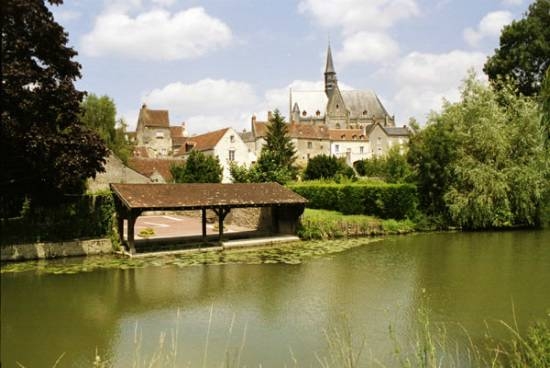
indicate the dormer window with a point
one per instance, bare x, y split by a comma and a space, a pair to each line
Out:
304, 113
364, 112
354, 137
318, 113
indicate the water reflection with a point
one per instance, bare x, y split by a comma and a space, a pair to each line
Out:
466, 278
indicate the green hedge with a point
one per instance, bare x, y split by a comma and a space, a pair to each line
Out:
88, 217
395, 201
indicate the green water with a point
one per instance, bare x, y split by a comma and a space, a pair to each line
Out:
274, 307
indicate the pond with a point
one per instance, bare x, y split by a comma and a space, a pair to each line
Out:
274, 308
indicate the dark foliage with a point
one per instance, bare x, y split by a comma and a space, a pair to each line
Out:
198, 168
524, 52
90, 216
46, 153
327, 167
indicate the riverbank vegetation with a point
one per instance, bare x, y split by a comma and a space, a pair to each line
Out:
323, 224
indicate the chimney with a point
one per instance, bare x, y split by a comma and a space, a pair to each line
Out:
144, 106
269, 116
184, 132
253, 119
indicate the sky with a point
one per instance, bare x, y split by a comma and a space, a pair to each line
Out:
216, 63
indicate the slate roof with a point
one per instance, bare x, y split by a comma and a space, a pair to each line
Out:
247, 136
148, 166
359, 101
397, 131
195, 196
310, 102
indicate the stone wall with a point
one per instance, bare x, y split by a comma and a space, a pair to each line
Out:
21, 252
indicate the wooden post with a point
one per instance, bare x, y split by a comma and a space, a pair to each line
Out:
204, 225
120, 227
221, 212
131, 222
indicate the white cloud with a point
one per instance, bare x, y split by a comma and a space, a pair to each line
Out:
357, 15
367, 47
489, 26
157, 35
205, 105
363, 25
425, 79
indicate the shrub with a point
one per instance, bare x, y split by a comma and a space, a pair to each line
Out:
382, 200
324, 166
89, 216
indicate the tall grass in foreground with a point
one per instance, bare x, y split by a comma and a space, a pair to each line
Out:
430, 348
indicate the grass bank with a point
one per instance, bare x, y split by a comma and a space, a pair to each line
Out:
323, 224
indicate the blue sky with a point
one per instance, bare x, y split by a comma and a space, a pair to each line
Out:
215, 63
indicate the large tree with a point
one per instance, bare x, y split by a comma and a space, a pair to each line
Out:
46, 152
99, 114
524, 52
481, 163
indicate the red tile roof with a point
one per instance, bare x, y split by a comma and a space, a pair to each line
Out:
155, 118
176, 131
181, 196
141, 152
208, 141
295, 130
148, 166
347, 135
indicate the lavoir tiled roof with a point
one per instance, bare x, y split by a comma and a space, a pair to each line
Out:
196, 196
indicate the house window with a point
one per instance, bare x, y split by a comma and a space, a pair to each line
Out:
361, 150
232, 138
231, 155
309, 145
159, 135
337, 148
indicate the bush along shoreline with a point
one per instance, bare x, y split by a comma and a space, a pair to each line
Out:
325, 225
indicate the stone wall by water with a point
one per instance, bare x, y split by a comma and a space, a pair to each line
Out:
72, 248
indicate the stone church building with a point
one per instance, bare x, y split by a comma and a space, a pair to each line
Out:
337, 109
353, 125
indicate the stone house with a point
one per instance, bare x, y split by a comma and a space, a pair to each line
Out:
225, 144
350, 144
155, 135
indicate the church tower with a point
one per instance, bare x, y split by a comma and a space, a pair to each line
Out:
331, 83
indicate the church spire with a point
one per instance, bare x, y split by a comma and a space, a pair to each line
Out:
329, 67
331, 83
